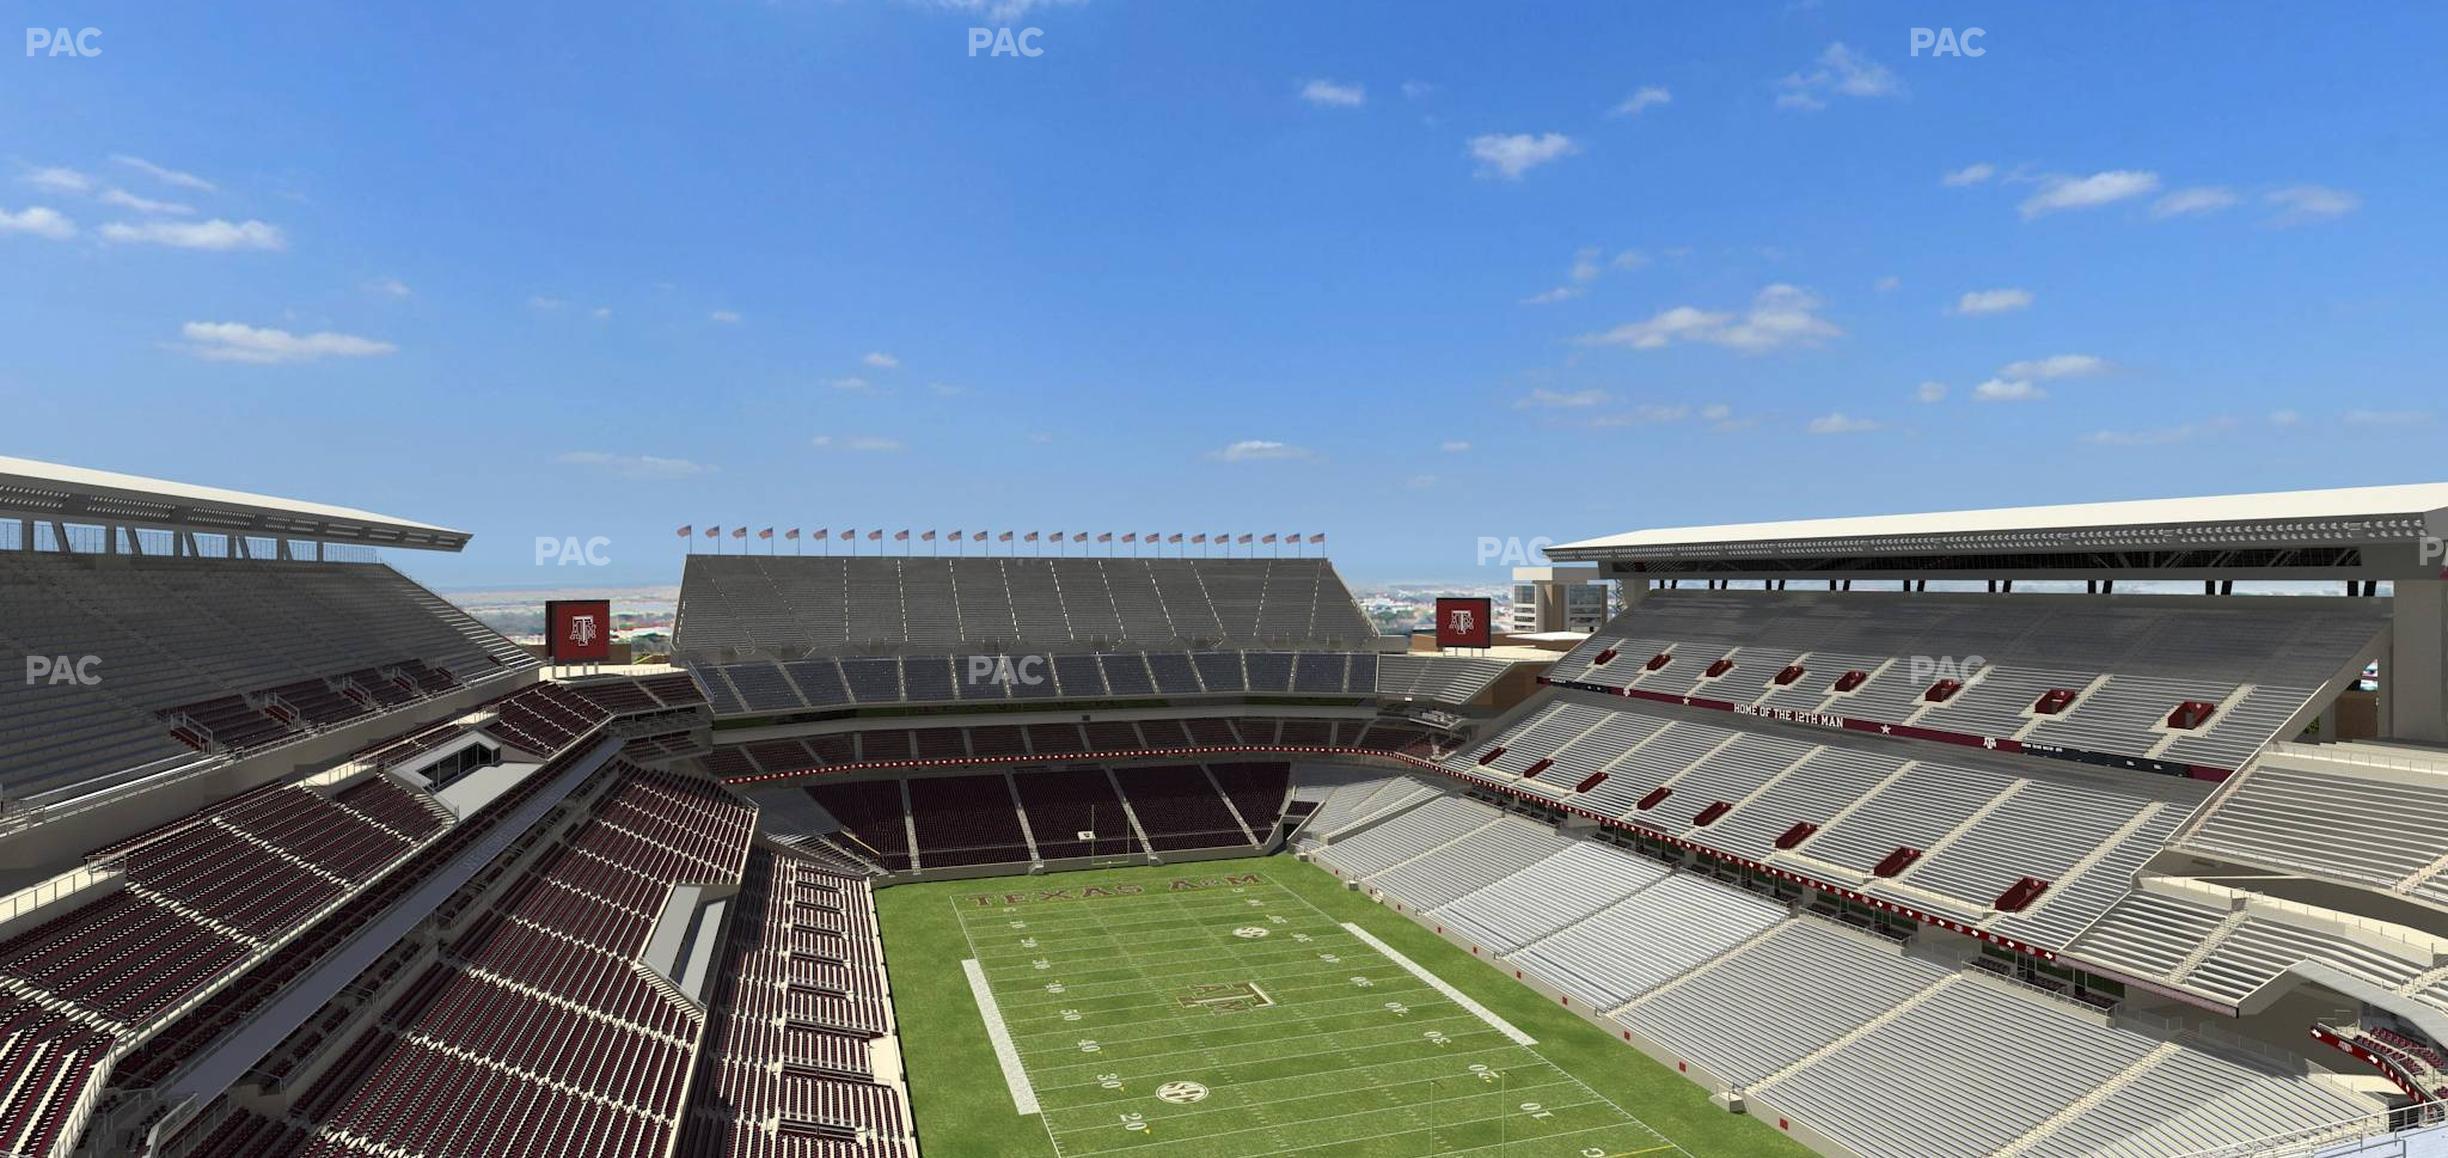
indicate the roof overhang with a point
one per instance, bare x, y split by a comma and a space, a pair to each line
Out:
2359, 532
48, 491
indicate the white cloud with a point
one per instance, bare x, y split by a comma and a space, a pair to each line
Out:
998, 11
1780, 315
1416, 89
1648, 96
1420, 482
724, 318
1647, 414
1509, 155
853, 384
1887, 284
2056, 366
165, 176
1972, 174
2303, 203
861, 443
215, 234
1258, 450
1841, 423
2163, 436
541, 302
1585, 265
390, 287
2008, 390
2061, 193
37, 221
1330, 94
600, 313
1841, 72
2385, 417
1455, 446
2198, 199
881, 360
238, 342
126, 200
1545, 399
1930, 392
638, 466
58, 180
947, 390
1629, 259
1996, 301
1562, 293
2284, 418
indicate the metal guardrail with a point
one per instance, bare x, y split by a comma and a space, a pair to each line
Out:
28, 899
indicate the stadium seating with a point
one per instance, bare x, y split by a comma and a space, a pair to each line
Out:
765, 687
797, 1003
1003, 743
1838, 806
793, 606
2356, 814
2129, 663
237, 653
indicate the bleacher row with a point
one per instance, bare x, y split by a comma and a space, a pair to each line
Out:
215, 641
2119, 669
799, 999
760, 687
789, 606
1010, 742
624, 695
1030, 816
183, 909
1957, 837
2196, 941
538, 1022
1803, 1016
2362, 815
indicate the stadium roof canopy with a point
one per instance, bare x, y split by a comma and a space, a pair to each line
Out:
2364, 532
44, 491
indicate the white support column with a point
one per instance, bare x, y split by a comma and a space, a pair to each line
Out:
2414, 683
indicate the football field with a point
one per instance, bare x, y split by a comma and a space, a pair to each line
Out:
1212, 1010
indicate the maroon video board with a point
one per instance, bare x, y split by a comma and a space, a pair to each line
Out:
578, 630
1464, 622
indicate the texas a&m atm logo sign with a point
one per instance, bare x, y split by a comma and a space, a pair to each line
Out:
578, 630
1464, 622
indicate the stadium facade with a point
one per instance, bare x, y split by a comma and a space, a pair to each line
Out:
303, 860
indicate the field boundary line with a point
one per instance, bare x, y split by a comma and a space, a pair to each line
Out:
1439, 984
1007, 1055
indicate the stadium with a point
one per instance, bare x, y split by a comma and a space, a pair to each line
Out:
1828, 839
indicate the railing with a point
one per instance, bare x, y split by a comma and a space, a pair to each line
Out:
2327, 1138
2349, 753
66, 884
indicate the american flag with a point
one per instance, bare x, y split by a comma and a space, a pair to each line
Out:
1079, 536
1320, 537
1267, 538
877, 536
687, 529
1105, 536
901, 536
1006, 536
926, 537
792, 534
767, 533
713, 532
1201, 537
1130, 536
1175, 537
1244, 538
739, 532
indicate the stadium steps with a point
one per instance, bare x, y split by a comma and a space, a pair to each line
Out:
1858, 1032
2081, 695
2217, 717
255, 945
1028, 832
909, 823
2107, 848
1939, 846
2420, 876
1434, 849
2085, 1104
1129, 814
2209, 945
1399, 796
1233, 808
1731, 952
2423, 980
1801, 852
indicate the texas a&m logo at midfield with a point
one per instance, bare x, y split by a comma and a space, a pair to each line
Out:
1464, 622
578, 630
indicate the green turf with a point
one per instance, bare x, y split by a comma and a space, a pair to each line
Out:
1379, 1066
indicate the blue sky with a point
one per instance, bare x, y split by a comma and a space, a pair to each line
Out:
1406, 274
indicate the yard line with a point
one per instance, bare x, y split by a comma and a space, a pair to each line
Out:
1452, 994
1024, 1098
